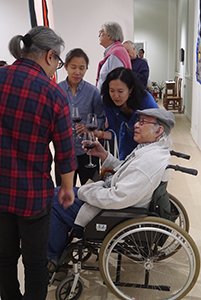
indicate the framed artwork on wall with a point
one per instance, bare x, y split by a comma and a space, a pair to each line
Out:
198, 50
140, 45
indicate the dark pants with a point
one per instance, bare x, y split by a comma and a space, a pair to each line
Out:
29, 237
62, 221
83, 172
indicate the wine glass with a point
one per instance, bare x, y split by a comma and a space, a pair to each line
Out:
76, 118
89, 138
92, 123
88, 142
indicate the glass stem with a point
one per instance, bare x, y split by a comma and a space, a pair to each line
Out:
90, 162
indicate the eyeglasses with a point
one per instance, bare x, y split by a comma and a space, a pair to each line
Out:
143, 121
101, 32
60, 62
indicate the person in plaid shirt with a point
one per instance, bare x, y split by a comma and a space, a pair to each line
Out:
33, 112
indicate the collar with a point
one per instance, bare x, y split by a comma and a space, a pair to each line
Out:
79, 87
139, 146
107, 49
30, 63
135, 58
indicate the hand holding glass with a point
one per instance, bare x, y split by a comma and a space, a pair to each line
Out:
76, 118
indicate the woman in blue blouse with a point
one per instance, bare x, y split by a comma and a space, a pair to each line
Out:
122, 96
87, 98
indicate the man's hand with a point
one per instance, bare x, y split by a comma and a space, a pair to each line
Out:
65, 197
98, 151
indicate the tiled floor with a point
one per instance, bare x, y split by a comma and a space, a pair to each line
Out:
185, 187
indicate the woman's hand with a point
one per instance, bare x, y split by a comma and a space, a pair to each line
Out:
80, 128
103, 134
97, 133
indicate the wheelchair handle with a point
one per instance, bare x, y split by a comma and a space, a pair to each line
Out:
178, 154
182, 169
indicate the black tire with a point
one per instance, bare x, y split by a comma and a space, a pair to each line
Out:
64, 288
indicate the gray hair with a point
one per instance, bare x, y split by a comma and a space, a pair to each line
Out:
36, 41
163, 139
114, 30
130, 43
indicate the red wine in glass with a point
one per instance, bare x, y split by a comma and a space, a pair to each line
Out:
91, 127
88, 144
76, 118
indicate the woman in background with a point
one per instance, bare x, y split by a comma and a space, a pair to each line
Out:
87, 98
122, 95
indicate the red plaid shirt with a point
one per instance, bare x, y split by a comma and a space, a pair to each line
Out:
33, 112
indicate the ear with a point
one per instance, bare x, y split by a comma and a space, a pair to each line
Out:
49, 57
159, 131
66, 66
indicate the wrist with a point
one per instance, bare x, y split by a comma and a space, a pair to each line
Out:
104, 156
101, 134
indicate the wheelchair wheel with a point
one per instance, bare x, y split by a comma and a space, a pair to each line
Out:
134, 260
64, 288
182, 220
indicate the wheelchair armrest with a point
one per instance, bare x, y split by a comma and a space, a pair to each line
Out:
128, 212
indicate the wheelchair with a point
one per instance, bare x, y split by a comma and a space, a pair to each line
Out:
142, 254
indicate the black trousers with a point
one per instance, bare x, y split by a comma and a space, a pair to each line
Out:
83, 172
29, 237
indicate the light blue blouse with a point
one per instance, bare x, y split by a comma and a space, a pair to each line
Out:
88, 100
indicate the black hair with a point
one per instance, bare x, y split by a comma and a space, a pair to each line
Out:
3, 63
76, 52
142, 50
130, 79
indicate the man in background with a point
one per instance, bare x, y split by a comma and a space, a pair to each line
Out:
111, 38
139, 66
141, 54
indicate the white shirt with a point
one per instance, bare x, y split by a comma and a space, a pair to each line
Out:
111, 63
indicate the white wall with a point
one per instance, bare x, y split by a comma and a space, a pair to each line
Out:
167, 26
79, 22
14, 20
151, 26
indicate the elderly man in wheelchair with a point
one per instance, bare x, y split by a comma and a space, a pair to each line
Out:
131, 244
